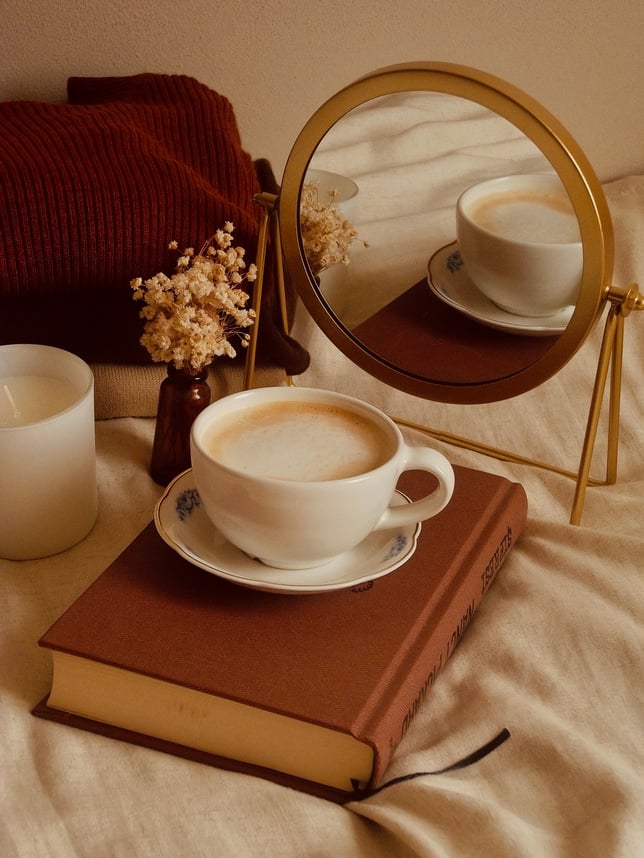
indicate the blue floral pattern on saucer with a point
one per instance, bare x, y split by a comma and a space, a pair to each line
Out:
182, 523
186, 503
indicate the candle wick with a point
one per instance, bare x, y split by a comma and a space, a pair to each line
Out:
12, 401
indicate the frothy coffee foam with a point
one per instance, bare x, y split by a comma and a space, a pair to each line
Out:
304, 441
537, 215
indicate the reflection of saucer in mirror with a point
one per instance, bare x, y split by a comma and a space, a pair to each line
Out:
448, 280
183, 524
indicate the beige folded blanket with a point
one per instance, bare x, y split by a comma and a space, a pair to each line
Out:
126, 390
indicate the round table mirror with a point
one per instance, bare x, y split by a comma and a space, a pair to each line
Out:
396, 149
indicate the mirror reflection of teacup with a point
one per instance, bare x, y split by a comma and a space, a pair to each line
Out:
296, 476
520, 243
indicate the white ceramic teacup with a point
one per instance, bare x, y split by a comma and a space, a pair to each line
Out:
520, 243
296, 476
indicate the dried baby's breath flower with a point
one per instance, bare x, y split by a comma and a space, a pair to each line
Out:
327, 235
191, 316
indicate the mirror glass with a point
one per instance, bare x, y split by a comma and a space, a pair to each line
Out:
378, 171
408, 157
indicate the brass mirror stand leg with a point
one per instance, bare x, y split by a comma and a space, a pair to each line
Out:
622, 301
269, 220
267, 201
279, 277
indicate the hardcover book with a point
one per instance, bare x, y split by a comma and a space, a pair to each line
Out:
311, 691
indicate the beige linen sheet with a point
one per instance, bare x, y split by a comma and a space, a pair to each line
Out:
555, 654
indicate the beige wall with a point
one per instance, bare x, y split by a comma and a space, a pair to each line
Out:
278, 60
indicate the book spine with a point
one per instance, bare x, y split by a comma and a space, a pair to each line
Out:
440, 632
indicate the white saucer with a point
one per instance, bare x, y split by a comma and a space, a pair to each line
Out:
182, 523
448, 280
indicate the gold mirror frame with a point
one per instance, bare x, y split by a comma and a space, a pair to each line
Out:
595, 226
557, 146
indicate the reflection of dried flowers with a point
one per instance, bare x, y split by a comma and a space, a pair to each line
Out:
326, 233
191, 316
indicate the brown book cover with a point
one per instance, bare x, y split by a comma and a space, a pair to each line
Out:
163, 654
418, 330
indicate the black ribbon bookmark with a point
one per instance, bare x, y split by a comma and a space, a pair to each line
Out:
469, 760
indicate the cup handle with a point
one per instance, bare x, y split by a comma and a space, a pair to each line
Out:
421, 459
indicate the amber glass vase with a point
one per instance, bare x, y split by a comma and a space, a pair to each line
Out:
183, 394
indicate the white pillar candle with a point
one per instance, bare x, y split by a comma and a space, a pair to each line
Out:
48, 499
